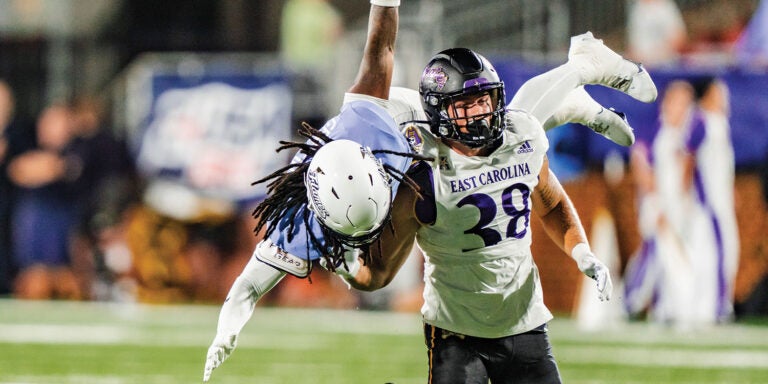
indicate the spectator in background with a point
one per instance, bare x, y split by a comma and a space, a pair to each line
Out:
6, 112
656, 33
659, 277
686, 267
180, 259
46, 210
309, 30
12, 137
107, 189
713, 183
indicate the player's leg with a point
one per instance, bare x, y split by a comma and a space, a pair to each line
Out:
590, 62
542, 97
452, 358
598, 64
523, 358
641, 279
580, 107
730, 234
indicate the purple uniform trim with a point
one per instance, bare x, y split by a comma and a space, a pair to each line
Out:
426, 208
696, 138
697, 134
638, 272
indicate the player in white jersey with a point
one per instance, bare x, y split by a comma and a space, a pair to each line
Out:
713, 185
484, 313
295, 238
685, 276
300, 228
670, 265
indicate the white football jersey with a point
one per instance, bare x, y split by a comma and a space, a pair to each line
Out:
480, 278
716, 159
668, 150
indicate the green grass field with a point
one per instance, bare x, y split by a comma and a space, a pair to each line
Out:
65, 342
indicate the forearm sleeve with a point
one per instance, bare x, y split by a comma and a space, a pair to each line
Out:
256, 279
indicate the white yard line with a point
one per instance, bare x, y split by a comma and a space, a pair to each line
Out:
194, 326
665, 357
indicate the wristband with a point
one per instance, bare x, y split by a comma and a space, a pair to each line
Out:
386, 3
580, 251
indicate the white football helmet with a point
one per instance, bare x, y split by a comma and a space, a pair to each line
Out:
349, 191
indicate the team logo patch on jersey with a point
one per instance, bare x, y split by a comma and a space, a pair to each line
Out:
526, 147
414, 138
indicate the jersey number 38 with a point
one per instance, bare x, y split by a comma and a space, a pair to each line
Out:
515, 210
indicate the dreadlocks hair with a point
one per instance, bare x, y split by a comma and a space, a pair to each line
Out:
287, 197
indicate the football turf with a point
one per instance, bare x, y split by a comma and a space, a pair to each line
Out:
69, 342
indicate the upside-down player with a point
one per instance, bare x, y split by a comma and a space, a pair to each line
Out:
299, 235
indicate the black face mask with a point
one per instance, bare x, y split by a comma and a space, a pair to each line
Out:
479, 134
479, 128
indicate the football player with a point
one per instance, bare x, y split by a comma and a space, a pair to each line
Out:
484, 313
305, 224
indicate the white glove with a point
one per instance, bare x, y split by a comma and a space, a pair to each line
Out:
591, 266
352, 265
219, 350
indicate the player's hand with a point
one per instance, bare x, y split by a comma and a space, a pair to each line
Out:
595, 269
347, 269
219, 350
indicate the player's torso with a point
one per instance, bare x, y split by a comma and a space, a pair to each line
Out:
482, 203
668, 158
477, 245
715, 164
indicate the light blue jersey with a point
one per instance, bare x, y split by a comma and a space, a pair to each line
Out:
369, 124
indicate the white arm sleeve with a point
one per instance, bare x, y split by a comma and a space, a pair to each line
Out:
256, 279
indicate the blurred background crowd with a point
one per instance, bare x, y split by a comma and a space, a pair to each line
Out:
130, 133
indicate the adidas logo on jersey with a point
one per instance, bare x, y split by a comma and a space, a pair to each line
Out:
526, 147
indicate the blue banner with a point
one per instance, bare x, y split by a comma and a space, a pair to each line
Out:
215, 134
580, 146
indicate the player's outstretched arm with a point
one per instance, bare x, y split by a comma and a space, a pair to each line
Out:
256, 279
562, 224
375, 74
391, 250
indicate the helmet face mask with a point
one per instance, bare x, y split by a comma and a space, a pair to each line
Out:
349, 192
459, 74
